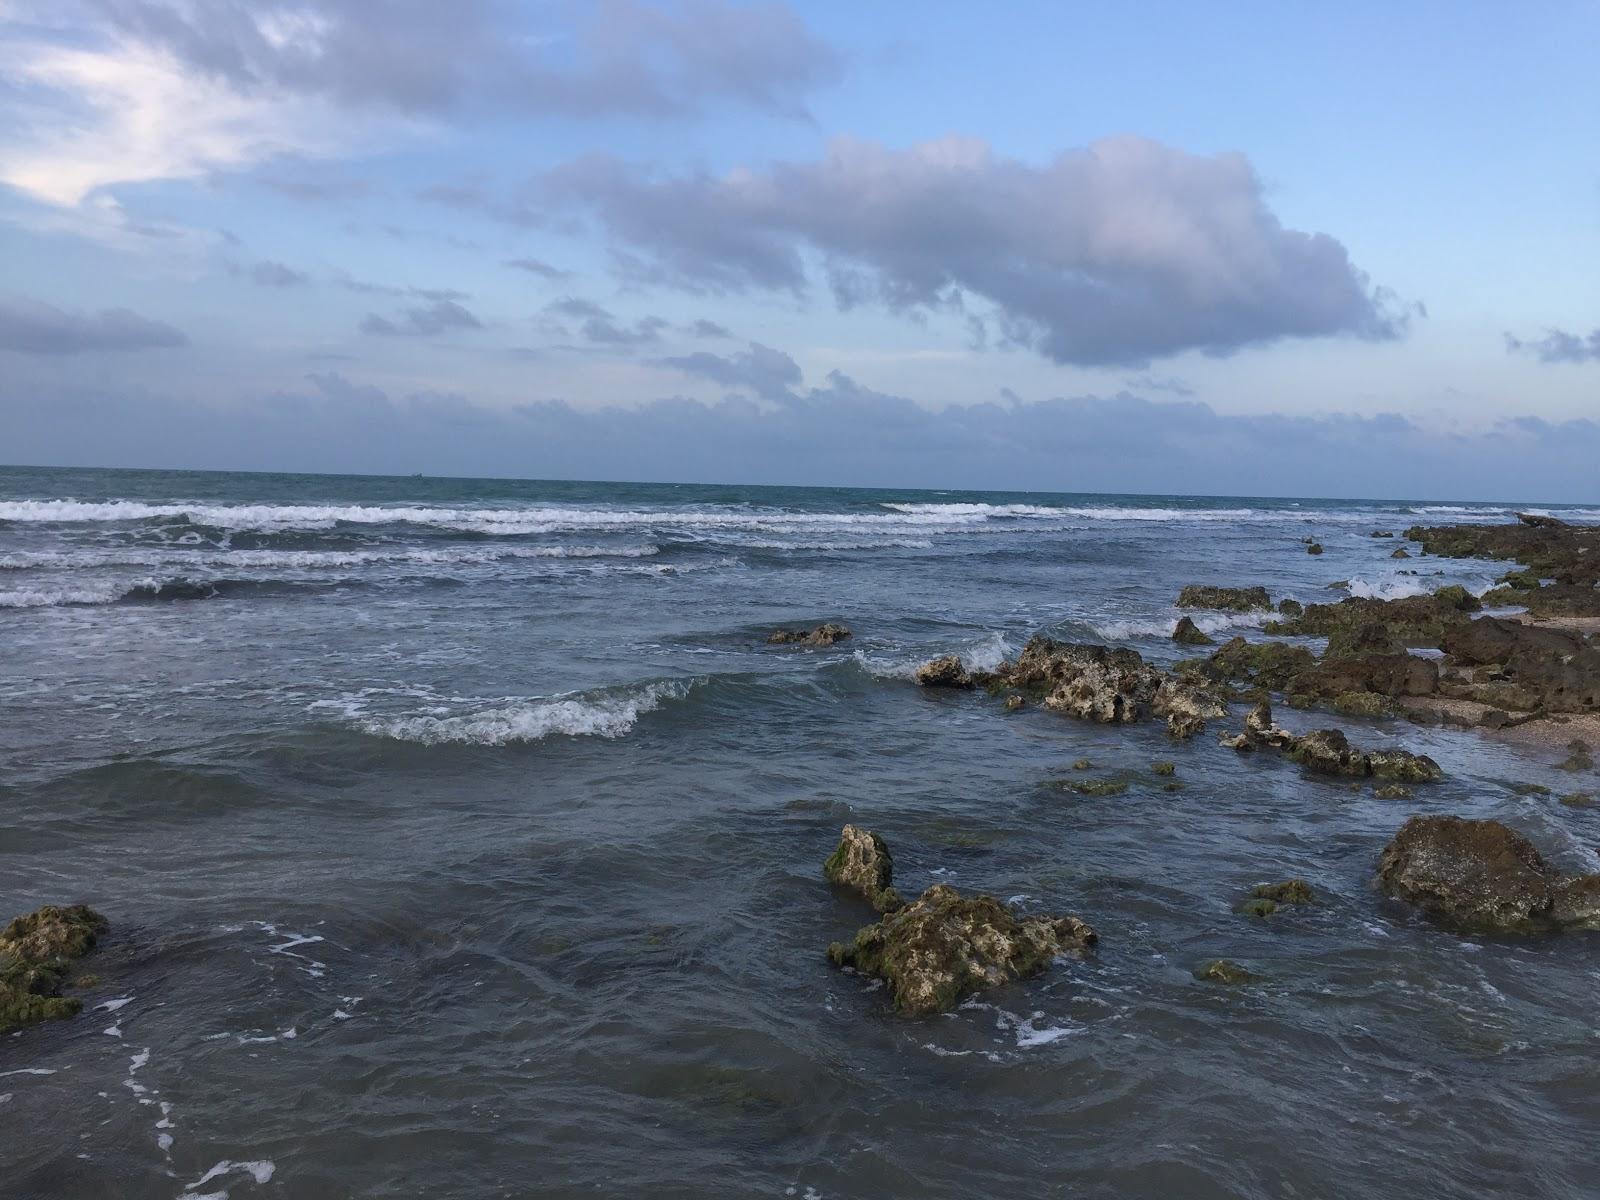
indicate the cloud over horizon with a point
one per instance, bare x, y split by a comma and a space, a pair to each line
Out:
1123, 252
1558, 346
33, 327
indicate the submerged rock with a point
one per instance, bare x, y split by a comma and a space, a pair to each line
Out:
826, 634
1164, 768
1189, 634
1096, 787
1482, 875
1392, 791
1400, 552
1290, 891
946, 946
947, 671
1313, 547
36, 954
1231, 599
862, 863
1222, 970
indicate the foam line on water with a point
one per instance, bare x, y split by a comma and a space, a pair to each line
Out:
606, 715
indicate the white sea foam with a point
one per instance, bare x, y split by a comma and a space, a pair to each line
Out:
310, 560
260, 1170
983, 655
976, 510
530, 719
1162, 627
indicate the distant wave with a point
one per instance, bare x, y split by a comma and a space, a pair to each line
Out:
607, 714
983, 655
305, 559
151, 591
976, 510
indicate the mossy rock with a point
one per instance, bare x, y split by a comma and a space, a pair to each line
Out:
1577, 761
1096, 787
1314, 548
1578, 800
1164, 768
1290, 608
1525, 581
1529, 789
1392, 791
1290, 891
1258, 908
862, 863
36, 952
1187, 633
1363, 704
945, 946
1222, 970
1083, 764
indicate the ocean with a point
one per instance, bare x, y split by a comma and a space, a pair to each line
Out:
464, 838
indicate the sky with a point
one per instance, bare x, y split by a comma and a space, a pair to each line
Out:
1252, 249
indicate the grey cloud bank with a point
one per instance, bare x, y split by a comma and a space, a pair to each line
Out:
420, 56
1120, 253
1558, 346
32, 327
840, 433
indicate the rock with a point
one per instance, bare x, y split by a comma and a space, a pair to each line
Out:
947, 671
1383, 533
1189, 634
945, 946
1083, 764
1014, 702
1186, 707
1402, 765
1363, 704
1528, 789
1392, 791
1164, 768
1241, 742
1523, 581
1578, 760
1528, 667
1221, 970
1328, 752
1314, 548
1539, 521
1578, 800
1400, 552
862, 863
1258, 908
1290, 608
1411, 620
1482, 875
1258, 724
1094, 683
36, 953
1269, 665
1096, 787
823, 635
1231, 599
1290, 891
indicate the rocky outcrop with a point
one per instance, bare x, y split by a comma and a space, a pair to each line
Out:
1222, 970
1521, 667
1269, 666
1188, 633
1482, 875
1111, 686
863, 864
946, 671
36, 953
1412, 620
1329, 752
1550, 549
827, 634
1229, 599
945, 946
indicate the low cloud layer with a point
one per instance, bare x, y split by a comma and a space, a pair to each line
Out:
33, 327
1124, 252
1558, 346
838, 433
425, 320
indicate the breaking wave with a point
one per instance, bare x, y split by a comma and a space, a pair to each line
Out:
1211, 623
584, 714
983, 655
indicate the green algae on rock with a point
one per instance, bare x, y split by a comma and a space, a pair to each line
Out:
1222, 970
1482, 875
1259, 907
827, 634
1290, 891
1392, 791
945, 946
1164, 768
1187, 633
1229, 599
36, 952
1095, 787
862, 863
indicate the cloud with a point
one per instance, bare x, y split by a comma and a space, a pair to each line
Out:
430, 320
1558, 346
539, 267
33, 327
600, 327
1123, 252
770, 374
703, 328
118, 91
267, 273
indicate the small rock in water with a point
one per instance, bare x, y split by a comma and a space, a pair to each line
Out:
1382, 533
36, 952
947, 671
1014, 702
1096, 787
1259, 907
1232, 599
1392, 791
1578, 800
1083, 764
862, 862
945, 946
1164, 768
1222, 970
826, 634
1482, 875
1314, 548
1290, 891
1400, 552
1188, 633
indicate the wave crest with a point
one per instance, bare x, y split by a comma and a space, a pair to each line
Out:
577, 715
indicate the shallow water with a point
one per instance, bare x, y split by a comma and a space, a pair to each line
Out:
463, 838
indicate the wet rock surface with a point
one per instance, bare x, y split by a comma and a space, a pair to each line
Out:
1225, 599
1485, 876
945, 946
1188, 633
36, 956
862, 863
826, 634
946, 671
